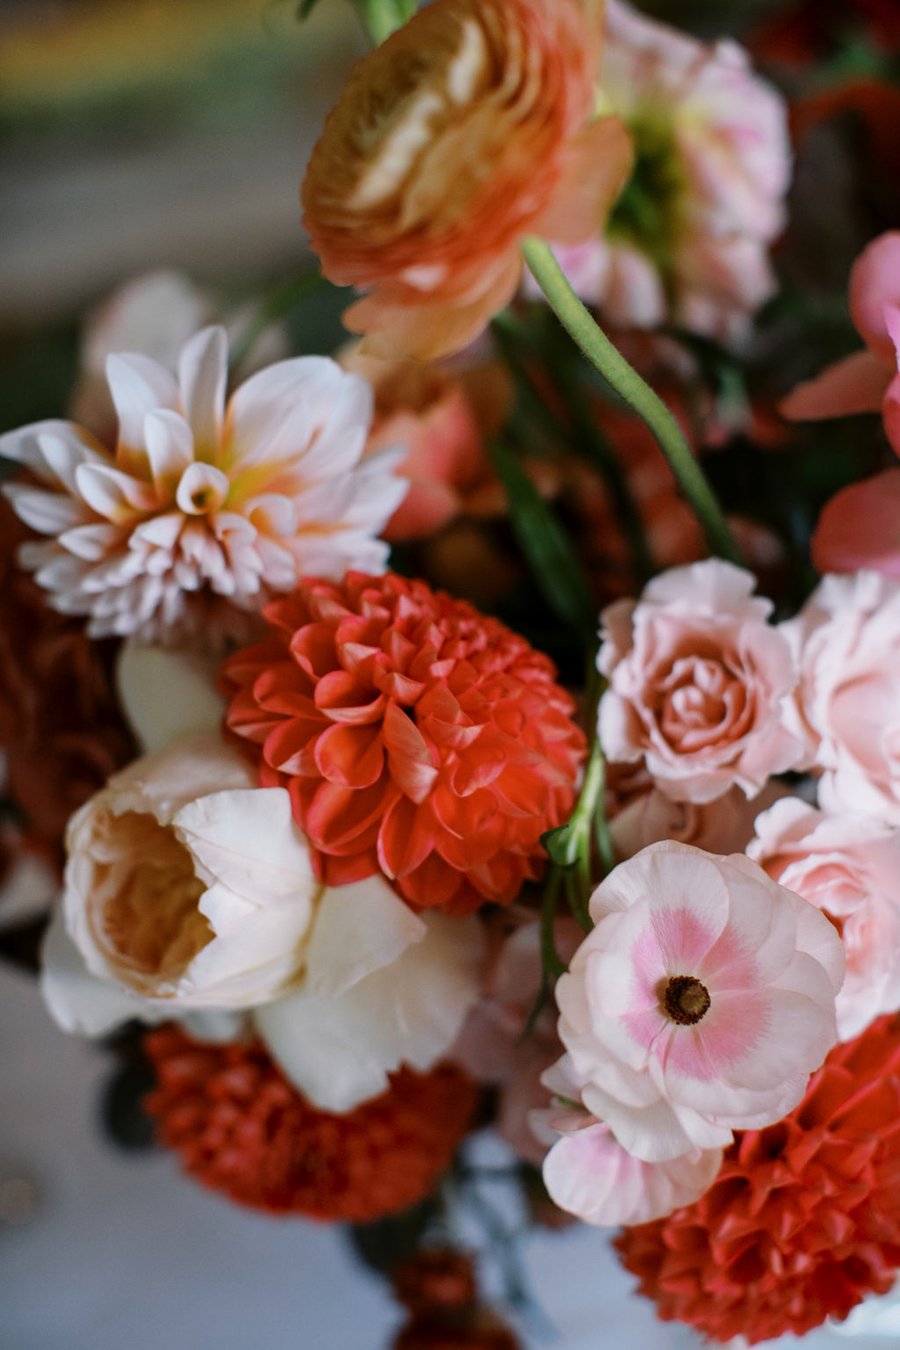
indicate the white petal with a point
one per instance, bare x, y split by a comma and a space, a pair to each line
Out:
202, 375
276, 414
170, 448
202, 490
50, 449
138, 386
113, 494
359, 928
167, 693
46, 512
79, 1001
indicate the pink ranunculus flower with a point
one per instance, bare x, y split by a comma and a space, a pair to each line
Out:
860, 528
588, 1173
849, 867
847, 641
868, 380
688, 239
203, 510
700, 1003
699, 684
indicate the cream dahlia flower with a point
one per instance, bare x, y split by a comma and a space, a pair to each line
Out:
203, 510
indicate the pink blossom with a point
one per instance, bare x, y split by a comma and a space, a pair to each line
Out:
203, 511
847, 641
700, 1003
699, 684
868, 380
688, 239
722, 826
588, 1173
860, 527
849, 867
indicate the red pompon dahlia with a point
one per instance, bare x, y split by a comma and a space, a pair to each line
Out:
416, 737
439, 1289
242, 1129
802, 1221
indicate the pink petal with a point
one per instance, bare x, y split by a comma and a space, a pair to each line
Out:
860, 528
854, 385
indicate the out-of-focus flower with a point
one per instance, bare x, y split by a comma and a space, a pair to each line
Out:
699, 1003
722, 826
847, 639
470, 128
804, 1219
811, 30
443, 419
439, 1289
189, 889
860, 528
242, 1129
687, 241
416, 737
699, 684
588, 1173
850, 869
866, 381
61, 731
202, 511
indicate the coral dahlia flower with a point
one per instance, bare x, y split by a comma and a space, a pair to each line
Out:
415, 736
202, 510
803, 1220
471, 127
242, 1129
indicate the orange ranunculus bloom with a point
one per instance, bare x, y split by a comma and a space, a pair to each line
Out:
471, 127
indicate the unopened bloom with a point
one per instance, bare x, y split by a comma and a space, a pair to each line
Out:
700, 1002
847, 639
687, 242
470, 128
849, 867
191, 891
417, 737
869, 380
699, 684
202, 511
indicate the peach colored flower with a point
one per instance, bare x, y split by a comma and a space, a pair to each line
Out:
722, 826
417, 737
700, 1002
470, 128
866, 381
860, 528
849, 867
699, 684
202, 510
687, 241
847, 640
443, 419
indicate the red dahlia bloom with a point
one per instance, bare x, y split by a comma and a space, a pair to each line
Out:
416, 737
802, 1221
242, 1129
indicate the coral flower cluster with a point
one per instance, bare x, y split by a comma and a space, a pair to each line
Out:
803, 1219
415, 737
242, 1129
471, 127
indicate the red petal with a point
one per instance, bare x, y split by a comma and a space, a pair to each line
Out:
350, 756
342, 820
344, 698
413, 765
405, 839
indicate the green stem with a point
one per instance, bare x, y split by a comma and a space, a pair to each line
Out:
383, 17
626, 382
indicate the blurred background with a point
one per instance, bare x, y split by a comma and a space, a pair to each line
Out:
138, 135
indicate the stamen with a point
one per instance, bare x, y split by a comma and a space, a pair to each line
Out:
686, 1000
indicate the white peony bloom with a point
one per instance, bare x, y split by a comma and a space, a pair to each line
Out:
203, 509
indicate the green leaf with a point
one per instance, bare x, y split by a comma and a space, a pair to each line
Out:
561, 845
543, 542
305, 8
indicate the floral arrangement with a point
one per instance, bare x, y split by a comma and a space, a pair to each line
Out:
496, 723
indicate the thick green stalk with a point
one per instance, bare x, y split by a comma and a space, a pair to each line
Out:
626, 382
383, 17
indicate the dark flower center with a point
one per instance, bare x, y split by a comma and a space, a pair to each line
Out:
685, 1000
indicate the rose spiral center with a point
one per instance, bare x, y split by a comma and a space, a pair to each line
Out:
686, 1000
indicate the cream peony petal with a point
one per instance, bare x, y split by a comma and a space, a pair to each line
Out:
339, 1050
167, 693
79, 1001
360, 928
247, 840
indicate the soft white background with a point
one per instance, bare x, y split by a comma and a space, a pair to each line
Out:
122, 1253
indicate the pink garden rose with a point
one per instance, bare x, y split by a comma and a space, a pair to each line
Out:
700, 1002
869, 380
687, 242
699, 684
849, 867
847, 640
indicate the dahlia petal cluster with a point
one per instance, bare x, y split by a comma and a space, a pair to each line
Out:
203, 509
471, 127
803, 1220
414, 735
687, 241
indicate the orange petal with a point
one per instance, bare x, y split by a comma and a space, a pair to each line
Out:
350, 756
412, 763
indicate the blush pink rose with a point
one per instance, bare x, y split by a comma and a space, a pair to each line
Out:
868, 380
847, 642
699, 684
700, 1002
849, 867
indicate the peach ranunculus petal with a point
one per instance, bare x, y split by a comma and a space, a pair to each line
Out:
452, 141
